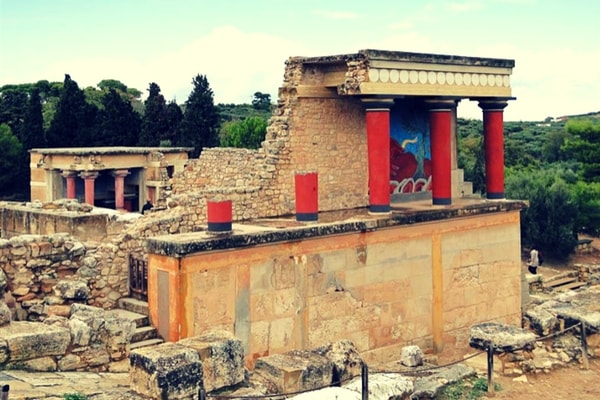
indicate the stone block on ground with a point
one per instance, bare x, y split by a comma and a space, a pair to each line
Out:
296, 371
411, 356
222, 357
166, 371
27, 340
504, 338
384, 386
347, 362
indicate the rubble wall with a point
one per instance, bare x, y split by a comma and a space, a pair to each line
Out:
325, 134
375, 288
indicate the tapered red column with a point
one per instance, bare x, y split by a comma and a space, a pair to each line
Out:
89, 177
119, 176
378, 143
71, 188
493, 137
440, 126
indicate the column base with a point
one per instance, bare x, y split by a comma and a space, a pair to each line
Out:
219, 227
442, 201
379, 208
307, 217
495, 196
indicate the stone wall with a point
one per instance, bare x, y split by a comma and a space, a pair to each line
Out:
86, 338
423, 284
323, 135
41, 276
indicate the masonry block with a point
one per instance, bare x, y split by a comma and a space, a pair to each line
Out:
222, 357
296, 371
166, 371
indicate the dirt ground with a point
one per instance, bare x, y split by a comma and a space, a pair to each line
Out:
572, 382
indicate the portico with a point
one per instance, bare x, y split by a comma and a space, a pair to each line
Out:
115, 177
410, 102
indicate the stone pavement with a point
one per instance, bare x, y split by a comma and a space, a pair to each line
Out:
54, 385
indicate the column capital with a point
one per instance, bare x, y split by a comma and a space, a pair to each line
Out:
120, 172
68, 173
441, 104
89, 174
371, 104
492, 105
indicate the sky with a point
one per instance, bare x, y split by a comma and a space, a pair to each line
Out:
241, 45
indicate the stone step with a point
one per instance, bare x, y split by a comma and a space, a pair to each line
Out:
146, 343
134, 305
144, 333
140, 319
570, 286
560, 282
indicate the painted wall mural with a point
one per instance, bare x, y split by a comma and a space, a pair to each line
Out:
410, 154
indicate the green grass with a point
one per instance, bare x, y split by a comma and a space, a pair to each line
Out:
467, 389
75, 396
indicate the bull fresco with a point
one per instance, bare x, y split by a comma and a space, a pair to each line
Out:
410, 154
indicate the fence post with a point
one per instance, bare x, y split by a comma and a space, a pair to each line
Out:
584, 349
201, 394
365, 381
490, 369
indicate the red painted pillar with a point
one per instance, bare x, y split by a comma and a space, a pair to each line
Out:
71, 188
493, 138
89, 177
440, 127
219, 216
119, 176
307, 196
378, 144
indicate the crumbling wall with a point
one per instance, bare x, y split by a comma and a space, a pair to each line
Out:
318, 134
86, 338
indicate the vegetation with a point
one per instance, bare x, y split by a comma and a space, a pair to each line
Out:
74, 396
467, 389
555, 165
200, 125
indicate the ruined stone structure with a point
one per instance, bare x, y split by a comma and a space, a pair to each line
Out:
395, 267
117, 177
400, 254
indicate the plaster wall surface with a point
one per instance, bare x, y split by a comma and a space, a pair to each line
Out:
423, 284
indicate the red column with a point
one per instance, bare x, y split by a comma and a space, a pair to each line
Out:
119, 176
219, 216
307, 196
89, 177
493, 137
378, 144
440, 127
70, 178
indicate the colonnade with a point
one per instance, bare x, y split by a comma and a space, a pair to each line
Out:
89, 178
440, 123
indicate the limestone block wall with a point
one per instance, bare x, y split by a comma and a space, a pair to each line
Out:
86, 338
323, 135
42, 275
422, 284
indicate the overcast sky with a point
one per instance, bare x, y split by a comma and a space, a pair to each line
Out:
241, 45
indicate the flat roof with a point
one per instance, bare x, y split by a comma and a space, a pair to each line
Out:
110, 150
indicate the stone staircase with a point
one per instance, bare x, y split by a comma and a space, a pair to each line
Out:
137, 310
563, 283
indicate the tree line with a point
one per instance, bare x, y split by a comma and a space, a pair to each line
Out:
54, 114
553, 165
